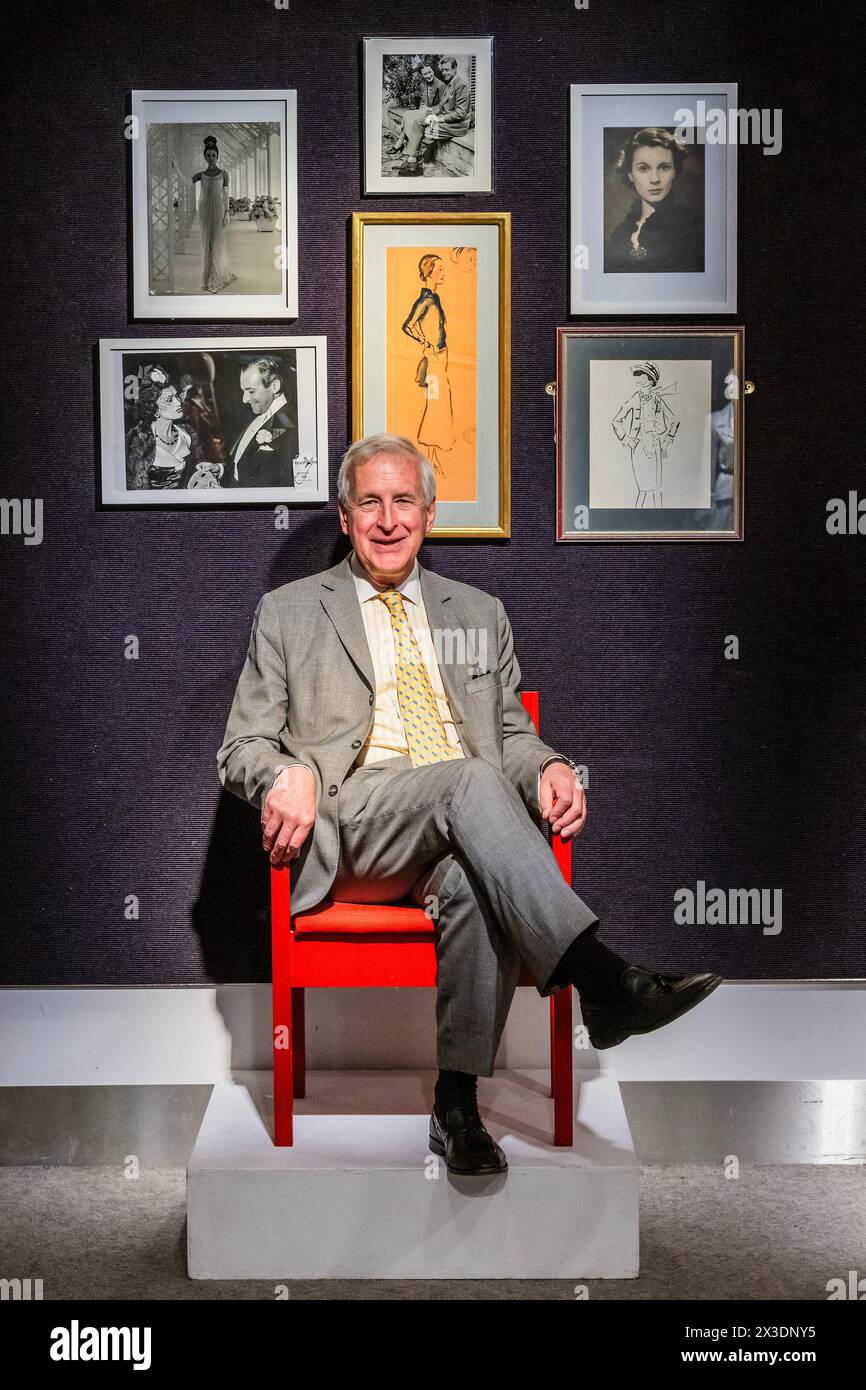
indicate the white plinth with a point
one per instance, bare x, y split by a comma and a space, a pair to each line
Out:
359, 1195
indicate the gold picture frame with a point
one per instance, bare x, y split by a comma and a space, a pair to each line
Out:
384, 396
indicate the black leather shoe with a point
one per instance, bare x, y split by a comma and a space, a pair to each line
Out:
654, 1000
464, 1143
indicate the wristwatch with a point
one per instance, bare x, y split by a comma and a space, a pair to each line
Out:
560, 759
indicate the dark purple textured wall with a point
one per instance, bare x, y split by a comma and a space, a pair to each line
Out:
742, 774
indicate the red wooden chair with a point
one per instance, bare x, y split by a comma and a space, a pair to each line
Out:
341, 945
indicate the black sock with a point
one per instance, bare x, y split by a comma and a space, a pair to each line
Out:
454, 1088
593, 968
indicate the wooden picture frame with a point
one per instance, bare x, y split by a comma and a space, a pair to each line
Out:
649, 438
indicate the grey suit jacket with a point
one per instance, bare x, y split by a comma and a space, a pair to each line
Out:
307, 689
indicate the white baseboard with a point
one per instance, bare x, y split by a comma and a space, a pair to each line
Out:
751, 1031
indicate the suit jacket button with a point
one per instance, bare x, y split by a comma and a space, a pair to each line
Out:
332, 790
371, 699
356, 743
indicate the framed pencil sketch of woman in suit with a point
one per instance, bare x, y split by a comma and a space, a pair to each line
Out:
649, 436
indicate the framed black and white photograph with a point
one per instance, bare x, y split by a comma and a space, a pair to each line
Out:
428, 124
653, 199
213, 421
649, 440
214, 205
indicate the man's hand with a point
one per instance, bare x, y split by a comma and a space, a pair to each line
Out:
288, 814
562, 800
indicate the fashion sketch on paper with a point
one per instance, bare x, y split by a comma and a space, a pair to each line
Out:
646, 426
426, 324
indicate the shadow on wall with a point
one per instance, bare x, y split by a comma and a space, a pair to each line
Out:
231, 913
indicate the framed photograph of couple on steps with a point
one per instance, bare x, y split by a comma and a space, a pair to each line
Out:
428, 115
214, 205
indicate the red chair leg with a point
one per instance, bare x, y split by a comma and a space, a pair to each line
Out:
562, 1082
299, 1069
561, 1039
552, 1046
281, 960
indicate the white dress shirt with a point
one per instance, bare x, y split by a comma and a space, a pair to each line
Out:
387, 738
257, 423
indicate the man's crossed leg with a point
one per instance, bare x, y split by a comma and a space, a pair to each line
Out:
458, 838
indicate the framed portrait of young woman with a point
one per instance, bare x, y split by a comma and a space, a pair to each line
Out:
654, 198
428, 115
214, 205
431, 353
649, 437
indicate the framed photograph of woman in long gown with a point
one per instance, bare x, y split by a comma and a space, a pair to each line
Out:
213, 422
214, 205
649, 438
654, 198
431, 353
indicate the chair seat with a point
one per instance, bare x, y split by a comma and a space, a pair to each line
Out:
363, 919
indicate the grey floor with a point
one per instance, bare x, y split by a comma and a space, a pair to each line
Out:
775, 1232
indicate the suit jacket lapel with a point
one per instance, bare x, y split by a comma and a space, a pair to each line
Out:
445, 615
340, 602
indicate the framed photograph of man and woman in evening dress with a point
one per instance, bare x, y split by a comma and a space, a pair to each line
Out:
649, 438
428, 115
653, 199
431, 353
214, 205
198, 422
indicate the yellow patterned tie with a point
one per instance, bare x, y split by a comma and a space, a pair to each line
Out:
425, 731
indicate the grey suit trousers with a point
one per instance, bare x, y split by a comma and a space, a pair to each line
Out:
458, 839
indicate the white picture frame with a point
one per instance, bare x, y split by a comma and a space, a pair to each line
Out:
601, 113
467, 156
215, 439
256, 136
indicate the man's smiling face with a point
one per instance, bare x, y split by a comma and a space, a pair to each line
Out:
387, 530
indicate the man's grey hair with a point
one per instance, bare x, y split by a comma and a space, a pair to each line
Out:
363, 450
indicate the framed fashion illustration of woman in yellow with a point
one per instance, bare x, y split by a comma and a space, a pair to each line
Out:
431, 353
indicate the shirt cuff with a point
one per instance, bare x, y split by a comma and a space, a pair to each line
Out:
557, 758
283, 768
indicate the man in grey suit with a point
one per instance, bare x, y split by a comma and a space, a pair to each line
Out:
377, 726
